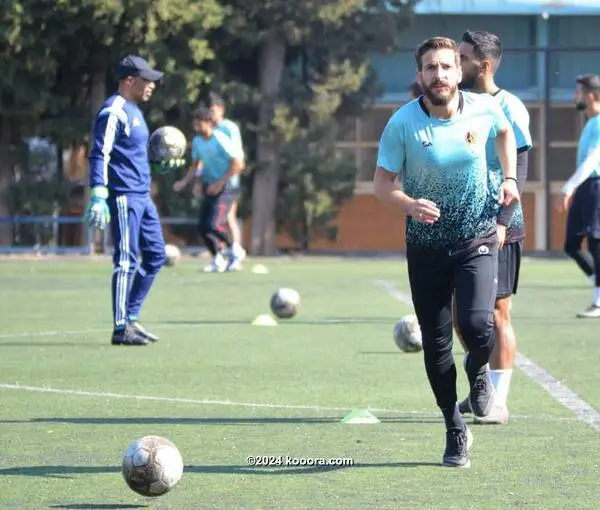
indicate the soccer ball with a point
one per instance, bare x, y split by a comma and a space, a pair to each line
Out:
173, 254
167, 143
285, 303
152, 466
407, 334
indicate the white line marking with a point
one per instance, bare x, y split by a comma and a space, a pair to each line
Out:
393, 291
229, 403
179, 400
158, 326
558, 391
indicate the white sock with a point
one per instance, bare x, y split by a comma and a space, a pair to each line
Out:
237, 249
501, 383
597, 296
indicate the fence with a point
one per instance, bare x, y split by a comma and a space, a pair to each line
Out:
45, 234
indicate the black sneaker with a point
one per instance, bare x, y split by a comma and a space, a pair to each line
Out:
458, 443
464, 407
481, 396
128, 336
139, 329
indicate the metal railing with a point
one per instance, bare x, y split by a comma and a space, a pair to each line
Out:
46, 231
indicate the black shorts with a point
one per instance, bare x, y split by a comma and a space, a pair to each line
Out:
509, 264
583, 219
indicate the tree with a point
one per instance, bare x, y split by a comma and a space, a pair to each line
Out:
38, 48
325, 40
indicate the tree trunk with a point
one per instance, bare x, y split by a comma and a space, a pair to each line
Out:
97, 97
271, 62
6, 160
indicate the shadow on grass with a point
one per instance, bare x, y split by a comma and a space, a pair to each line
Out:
27, 344
294, 321
407, 418
95, 506
71, 471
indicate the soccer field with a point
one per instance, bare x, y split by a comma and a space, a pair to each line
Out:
222, 390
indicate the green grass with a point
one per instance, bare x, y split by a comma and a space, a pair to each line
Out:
64, 450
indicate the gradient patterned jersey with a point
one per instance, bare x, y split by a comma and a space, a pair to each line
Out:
518, 119
444, 160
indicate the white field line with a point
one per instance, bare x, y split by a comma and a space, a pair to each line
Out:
558, 391
230, 403
191, 325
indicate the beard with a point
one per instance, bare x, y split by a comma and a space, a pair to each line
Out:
580, 106
467, 83
437, 98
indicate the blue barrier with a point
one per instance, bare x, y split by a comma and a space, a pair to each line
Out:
86, 247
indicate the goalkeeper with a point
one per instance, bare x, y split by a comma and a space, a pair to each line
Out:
120, 182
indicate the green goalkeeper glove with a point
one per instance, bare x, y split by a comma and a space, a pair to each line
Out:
97, 213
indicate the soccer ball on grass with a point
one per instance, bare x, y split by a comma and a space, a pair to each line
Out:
285, 303
407, 334
152, 466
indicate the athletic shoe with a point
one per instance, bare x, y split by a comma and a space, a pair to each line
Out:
127, 336
497, 416
591, 312
143, 332
458, 443
234, 264
464, 407
481, 396
217, 265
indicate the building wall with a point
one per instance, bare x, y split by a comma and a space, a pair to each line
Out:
366, 225
522, 68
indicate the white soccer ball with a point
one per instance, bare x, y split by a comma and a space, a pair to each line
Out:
407, 334
152, 466
285, 303
173, 254
166, 143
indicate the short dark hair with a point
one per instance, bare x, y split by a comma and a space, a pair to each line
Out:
435, 43
485, 45
415, 89
215, 99
590, 83
202, 113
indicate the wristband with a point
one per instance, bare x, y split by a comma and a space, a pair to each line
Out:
511, 179
99, 192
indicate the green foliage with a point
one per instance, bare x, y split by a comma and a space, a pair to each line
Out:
327, 80
315, 182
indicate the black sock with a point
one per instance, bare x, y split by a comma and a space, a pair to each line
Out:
453, 418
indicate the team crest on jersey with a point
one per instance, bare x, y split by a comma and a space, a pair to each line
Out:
471, 137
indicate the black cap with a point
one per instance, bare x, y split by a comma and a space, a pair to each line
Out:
133, 65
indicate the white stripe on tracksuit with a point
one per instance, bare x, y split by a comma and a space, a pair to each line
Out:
116, 114
123, 264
